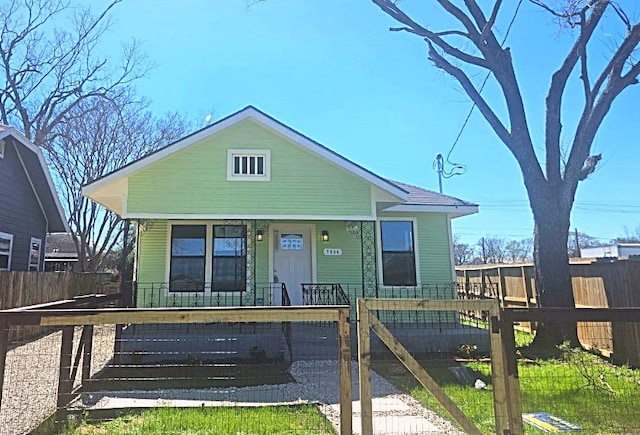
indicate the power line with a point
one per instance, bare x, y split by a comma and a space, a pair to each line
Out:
484, 82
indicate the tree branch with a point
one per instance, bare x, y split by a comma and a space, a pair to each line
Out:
553, 127
591, 118
440, 62
412, 27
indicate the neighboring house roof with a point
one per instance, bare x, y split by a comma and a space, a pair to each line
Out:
60, 247
407, 197
34, 164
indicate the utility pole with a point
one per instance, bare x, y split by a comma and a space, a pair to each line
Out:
439, 164
577, 244
484, 253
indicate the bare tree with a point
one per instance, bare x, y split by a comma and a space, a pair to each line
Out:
519, 251
463, 253
579, 240
630, 236
102, 136
471, 46
492, 250
50, 64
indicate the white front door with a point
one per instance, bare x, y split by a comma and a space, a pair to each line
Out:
292, 245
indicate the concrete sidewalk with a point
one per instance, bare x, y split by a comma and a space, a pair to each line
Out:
392, 415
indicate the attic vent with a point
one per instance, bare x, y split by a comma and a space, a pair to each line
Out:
248, 165
1, 149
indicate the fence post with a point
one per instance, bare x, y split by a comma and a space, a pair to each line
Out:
87, 341
364, 368
345, 372
4, 346
502, 291
65, 383
504, 373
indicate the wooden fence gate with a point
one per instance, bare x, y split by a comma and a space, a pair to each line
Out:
506, 393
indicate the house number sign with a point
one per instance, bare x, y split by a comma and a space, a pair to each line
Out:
332, 251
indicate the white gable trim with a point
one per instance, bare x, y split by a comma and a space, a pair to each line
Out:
456, 210
278, 127
24, 141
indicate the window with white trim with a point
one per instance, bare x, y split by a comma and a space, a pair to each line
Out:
229, 261
6, 245
248, 165
208, 256
35, 248
186, 267
398, 253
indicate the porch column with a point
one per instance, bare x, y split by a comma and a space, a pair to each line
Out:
369, 259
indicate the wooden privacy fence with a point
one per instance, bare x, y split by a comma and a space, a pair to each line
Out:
22, 289
596, 284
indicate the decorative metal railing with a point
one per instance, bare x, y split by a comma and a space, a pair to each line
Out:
162, 294
286, 300
324, 294
286, 326
149, 295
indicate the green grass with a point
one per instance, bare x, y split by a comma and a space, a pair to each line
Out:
569, 388
302, 420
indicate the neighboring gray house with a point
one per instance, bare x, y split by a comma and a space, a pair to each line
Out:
613, 251
29, 204
61, 254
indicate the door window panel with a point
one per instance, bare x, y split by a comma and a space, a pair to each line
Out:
293, 242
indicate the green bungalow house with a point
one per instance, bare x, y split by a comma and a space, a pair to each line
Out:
248, 211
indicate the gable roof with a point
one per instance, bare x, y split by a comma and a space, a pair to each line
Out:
403, 197
249, 112
39, 176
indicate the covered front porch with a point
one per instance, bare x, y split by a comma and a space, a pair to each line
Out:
201, 263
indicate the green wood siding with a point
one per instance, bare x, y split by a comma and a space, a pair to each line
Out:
152, 251
194, 181
345, 268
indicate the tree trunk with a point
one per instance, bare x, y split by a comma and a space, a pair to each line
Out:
552, 273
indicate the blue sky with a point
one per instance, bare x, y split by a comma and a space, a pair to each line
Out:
332, 70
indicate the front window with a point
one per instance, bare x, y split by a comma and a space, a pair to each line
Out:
34, 254
398, 255
6, 244
187, 257
229, 258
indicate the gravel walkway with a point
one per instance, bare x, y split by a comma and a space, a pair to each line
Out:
31, 378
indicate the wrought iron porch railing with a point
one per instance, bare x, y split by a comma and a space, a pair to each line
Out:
161, 294
324, 294
286, 300
286, 326
149, 295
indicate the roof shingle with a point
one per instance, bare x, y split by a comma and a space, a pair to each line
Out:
420, 196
